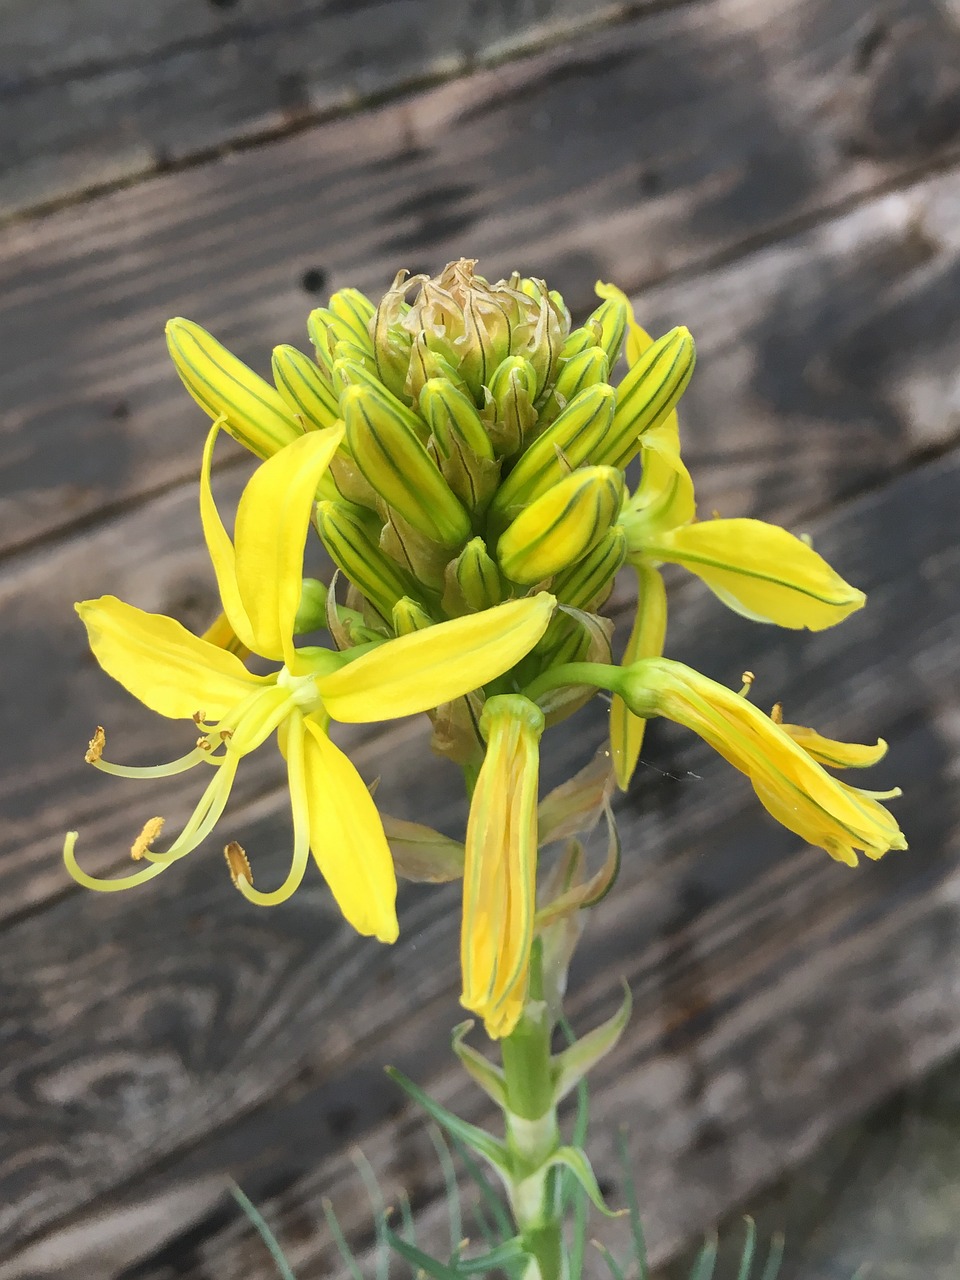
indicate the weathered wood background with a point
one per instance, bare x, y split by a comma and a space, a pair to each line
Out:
785, 178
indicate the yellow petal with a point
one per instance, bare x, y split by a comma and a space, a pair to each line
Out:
347, 839
427, 668
664, 498
499, 883
160, 662
271, 529
836, 755
646, 641
220, 548
761, 571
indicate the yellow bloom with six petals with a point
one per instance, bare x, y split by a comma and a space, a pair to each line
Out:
172, 671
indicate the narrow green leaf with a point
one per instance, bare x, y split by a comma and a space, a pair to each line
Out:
775, 1258
417, 1258
573, 1063
451, 1190
379, 1208
260, 1226
346, 1253
705, 1263
478, 1139
504, 1255
486, 1074
615, 1269
487, 1192
749, 1247
636, 1226
576, 1161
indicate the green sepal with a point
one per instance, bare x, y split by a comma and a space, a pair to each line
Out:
572, 1064
422, 854
486, 1074
580, 894
478, 1140
575, 805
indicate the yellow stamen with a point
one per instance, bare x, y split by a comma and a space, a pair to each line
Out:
145, 839
238, 863
748, 678
96, 745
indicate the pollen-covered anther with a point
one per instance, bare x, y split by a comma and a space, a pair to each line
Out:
151, 830
199, 718
204, 743
776, 713
238, 863
95, 746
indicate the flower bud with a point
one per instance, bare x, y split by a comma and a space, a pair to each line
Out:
426, 364
354, 310
611, 319
648, 393
398, 466
352, 537
473, 581
303, 389
562, 526
460, 443
348, 372
510, 408
587, 368
569, 442
255, 414
408, 616
587, 584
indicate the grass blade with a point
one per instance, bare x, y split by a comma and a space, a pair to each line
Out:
264, 1232
705, 1263
346, 1253
636, 1225
450, 1187
749, 1245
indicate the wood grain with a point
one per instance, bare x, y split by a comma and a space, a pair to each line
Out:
90, 101
632, 154
767, 980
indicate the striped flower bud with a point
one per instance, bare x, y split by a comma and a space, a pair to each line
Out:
352, 373
255, 414
570, 441
562, 526
304, 390
356, 311
398, 466
425, 364
473, 581
588, 368
587, 584
408, 616
648, 393
510, 409
460, 444
352, 537
611, 319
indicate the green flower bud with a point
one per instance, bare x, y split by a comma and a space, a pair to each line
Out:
408, 616
579, 340
510, 411
352, 373
391, 341
303, 388
352, 537
587, 584
587, 368
460, 443
312, 611
562, 526
355, 311
256, 415
398, 466
425, 364
570, 441
317, 331
611, 319
473, 581
648, 393
424, 559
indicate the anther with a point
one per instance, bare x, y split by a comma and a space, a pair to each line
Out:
97, 743
146, 838
225, 734
238, 863
203, 743
776, 713
748, 678
199, 717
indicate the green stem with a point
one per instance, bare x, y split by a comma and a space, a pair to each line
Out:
533, 1133
599, 674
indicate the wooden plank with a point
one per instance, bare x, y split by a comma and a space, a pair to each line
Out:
776, 993
89, 101
825, 361
668, 141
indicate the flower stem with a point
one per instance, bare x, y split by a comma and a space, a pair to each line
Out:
598, 674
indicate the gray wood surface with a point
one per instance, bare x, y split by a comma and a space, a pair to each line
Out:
782, 179
642, 151
91, 99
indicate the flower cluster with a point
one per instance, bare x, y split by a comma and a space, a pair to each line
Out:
460, 449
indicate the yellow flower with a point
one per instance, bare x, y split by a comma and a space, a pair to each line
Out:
182, 676
499, 879
783, 762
